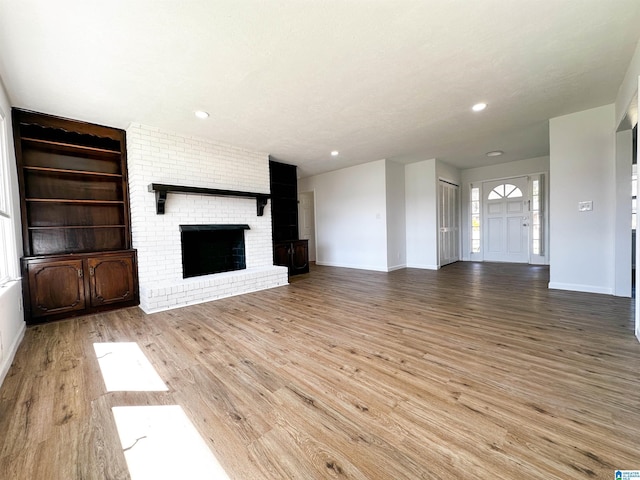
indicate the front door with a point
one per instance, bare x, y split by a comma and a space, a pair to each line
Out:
506, 220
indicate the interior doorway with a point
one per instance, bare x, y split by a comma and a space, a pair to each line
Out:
306, 221
634, 206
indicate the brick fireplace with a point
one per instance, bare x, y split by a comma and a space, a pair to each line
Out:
156, 156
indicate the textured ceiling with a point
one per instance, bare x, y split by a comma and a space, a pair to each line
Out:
373, 79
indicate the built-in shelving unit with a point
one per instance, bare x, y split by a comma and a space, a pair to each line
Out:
74, 203
288, 249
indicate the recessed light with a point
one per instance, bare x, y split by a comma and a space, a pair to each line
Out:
495, 153
202, 114
478, 107
335, 153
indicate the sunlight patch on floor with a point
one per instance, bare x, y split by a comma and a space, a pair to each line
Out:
125, 368
160, 442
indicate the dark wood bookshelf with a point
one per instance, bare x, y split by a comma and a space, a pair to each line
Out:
74, 202
60, 146
288, 249
72, 172
79, 202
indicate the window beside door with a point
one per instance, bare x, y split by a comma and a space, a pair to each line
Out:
475, 219
537, 212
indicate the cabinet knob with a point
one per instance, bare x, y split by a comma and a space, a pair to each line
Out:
80, 274
92, 271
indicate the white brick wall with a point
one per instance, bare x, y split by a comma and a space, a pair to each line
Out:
155, 156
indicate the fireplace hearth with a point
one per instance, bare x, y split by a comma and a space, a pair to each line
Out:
208, 249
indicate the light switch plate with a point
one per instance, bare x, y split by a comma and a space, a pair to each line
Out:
586, 206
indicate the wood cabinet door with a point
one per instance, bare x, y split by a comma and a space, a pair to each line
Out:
281, 254
56, 287
300, 256
111, 279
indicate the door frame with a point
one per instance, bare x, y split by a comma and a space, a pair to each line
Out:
522, 218
312, 249
458, 216
542, 259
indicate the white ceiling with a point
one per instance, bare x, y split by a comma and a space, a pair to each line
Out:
373, 79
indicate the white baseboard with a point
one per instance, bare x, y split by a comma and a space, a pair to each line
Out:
396, 267
574, 287
354, 266
423, 266
10, 355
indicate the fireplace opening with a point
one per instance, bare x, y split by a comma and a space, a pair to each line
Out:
210, 249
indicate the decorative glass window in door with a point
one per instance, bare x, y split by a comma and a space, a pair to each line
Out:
537, 213
506, 190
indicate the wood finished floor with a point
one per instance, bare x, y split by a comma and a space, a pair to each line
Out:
473, 371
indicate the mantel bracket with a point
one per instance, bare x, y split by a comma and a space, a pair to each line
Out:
161, 198
261, 202
161, 191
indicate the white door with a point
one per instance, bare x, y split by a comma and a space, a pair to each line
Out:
306, 222
506, 220
448, 244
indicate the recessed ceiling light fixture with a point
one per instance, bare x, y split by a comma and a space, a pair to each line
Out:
201, 114
478, 107
495, 153
335, 153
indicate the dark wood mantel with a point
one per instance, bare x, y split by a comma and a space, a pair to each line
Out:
161, 191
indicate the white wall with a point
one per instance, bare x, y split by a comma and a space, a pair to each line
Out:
475, 176
582, 165
396, 221
629, 87
351, 217
421, 204
622, 281
12, 326
421, 214
506, 170
156, 156
448, 172
379, 216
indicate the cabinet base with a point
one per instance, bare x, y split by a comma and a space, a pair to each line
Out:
62, 286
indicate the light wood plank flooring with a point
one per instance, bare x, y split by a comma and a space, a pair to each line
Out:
474, 371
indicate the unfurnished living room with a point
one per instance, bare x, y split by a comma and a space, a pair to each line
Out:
247, 240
